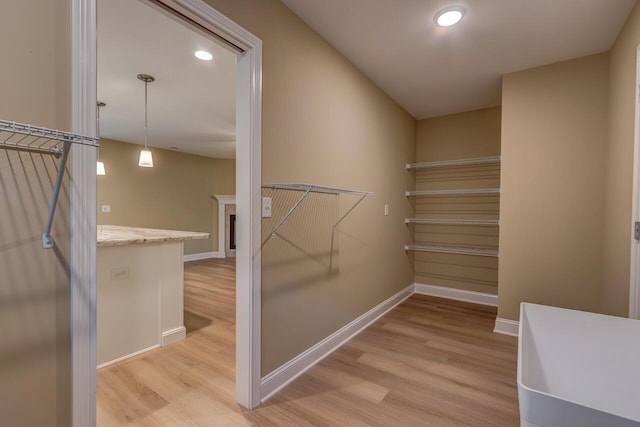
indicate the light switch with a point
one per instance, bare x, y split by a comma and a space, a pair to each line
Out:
106, 208
386, 209
266, 207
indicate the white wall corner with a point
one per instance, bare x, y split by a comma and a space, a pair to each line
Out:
285, 374
506, 327
457, 294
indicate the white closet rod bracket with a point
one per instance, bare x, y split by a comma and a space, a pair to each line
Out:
312, 188
25, 137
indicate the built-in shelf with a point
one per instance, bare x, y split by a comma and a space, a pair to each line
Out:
452, 192
36, 139
458, 162
452, 250
312, 188
452, 221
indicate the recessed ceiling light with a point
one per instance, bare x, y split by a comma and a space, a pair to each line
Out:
204, 55
450, 16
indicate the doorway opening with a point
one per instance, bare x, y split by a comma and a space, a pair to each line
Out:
202, 19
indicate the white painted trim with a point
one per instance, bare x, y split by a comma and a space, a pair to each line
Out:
291, 370
173, 335
634, 273
203, 255
506, 327
457, 294
83, 215
223, 201
128, 356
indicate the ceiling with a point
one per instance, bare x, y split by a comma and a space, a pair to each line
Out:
191, 105
433, 71
429, 70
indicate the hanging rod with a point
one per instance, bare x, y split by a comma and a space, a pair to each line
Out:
453, 192
452, 250
459, 162
311, 188
452, 221
25, 137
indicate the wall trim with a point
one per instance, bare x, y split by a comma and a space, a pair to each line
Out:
506, 327
173, 335
457, 294
120, 359
285, 374
203, 255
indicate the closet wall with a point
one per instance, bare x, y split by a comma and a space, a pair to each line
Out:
474, 134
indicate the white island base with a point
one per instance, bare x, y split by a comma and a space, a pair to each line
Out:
140, 298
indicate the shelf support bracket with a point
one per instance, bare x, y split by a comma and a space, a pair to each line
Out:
288, 214
348, 212
47, 240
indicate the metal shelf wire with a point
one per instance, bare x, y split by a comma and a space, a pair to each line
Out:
458, 162
452, 221
312, 188
459, 250
453, 192
37, 139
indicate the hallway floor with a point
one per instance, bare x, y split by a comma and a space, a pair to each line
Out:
428, 362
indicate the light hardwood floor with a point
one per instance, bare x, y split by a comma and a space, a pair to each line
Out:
428, 362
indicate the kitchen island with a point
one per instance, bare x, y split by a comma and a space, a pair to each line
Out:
140, 290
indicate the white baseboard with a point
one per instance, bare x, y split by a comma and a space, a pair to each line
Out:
506, 327
457, 294
291, 370
173, 335
203, 255
120, 359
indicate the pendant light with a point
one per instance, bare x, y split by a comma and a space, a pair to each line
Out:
99, 165
146, 159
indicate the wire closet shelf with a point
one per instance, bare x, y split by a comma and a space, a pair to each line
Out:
456, 162
312, 188
36, 139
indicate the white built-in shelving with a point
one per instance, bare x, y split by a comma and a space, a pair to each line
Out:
460, 250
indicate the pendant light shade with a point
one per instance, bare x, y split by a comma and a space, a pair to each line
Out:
100, 170
146, 159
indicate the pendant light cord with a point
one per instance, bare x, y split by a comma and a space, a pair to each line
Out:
145, 114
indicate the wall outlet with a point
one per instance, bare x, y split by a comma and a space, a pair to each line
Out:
266, 207
120, 273
106, 208
386, 209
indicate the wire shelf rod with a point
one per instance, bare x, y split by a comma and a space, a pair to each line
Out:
453, 192
452, 221
458, 162
459, 250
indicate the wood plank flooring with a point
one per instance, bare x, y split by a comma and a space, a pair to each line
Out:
428, 362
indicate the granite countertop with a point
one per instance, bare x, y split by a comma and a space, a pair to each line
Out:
116, 235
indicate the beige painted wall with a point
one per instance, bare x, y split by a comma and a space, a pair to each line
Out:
325, 123
554, 124
619, 168
458, 136
34, 291
175, 194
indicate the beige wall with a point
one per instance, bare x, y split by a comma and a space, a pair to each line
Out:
325, 123
619, 168
34, 291
175, 194
554, 123
458, 136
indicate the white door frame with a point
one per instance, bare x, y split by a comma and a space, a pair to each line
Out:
223, 201
83, 202
634, 288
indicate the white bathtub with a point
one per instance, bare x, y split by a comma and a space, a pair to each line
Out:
577, 369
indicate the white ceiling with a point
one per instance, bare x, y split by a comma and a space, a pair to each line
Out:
433, 71
191, 103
